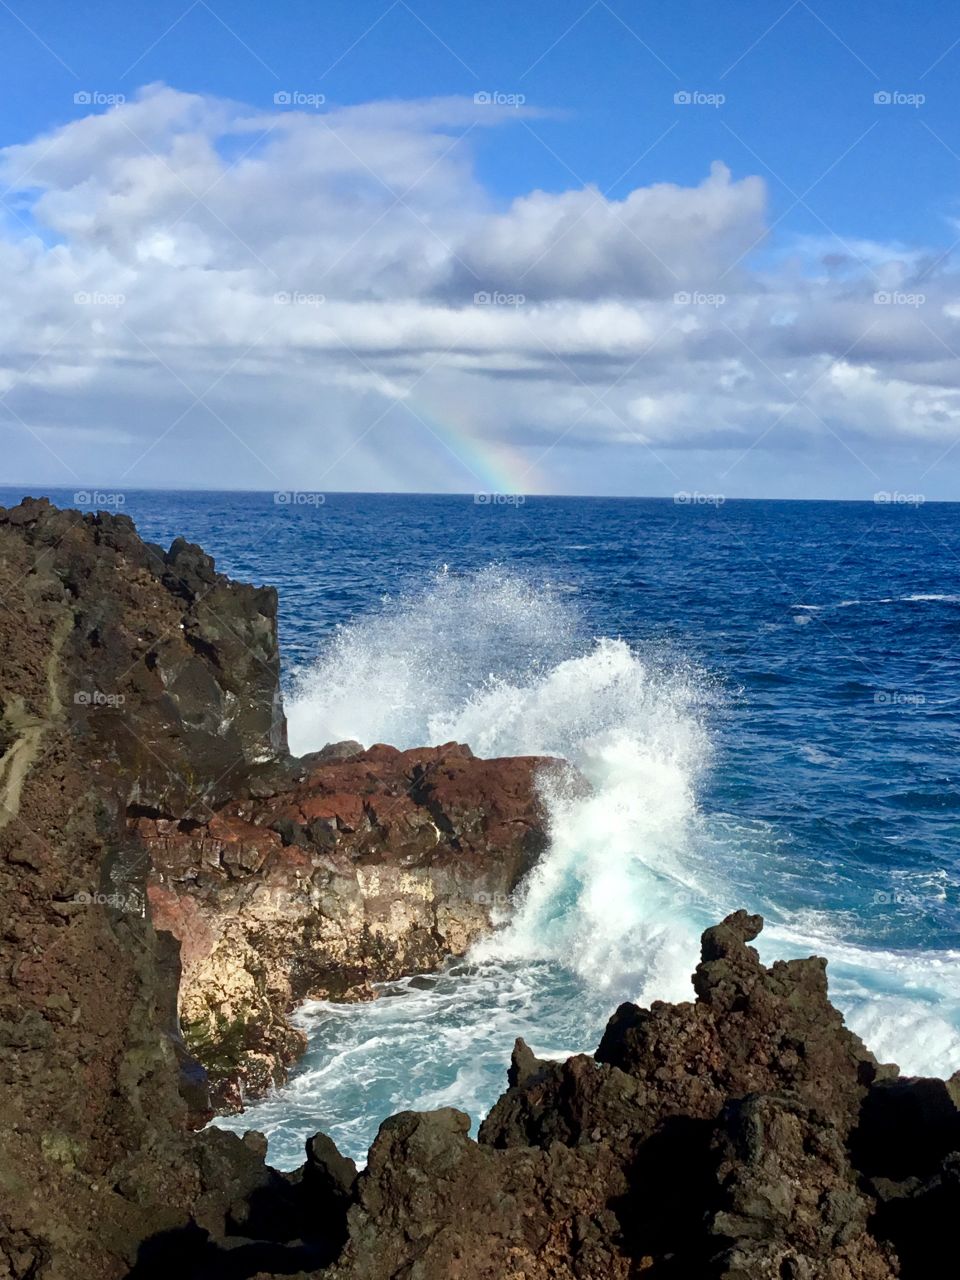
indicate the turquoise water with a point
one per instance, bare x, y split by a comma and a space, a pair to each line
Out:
765, 696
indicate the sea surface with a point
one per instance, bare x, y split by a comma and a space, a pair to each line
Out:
765, 696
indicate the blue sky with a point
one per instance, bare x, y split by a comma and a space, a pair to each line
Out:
799, 81
749, 292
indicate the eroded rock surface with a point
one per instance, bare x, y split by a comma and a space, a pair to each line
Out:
128, 676
347, 869
745, 1136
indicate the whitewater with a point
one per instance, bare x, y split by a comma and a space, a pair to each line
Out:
637, 864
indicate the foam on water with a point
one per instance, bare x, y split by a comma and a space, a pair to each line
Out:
634, 870
405, 674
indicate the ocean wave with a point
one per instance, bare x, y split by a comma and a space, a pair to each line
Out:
633, 872
920, 597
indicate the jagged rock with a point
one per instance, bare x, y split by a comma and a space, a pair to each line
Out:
369, 867
752, 1030
731, 1120
129, 677
789, 1197
433, 1204
524, 1065
327, 1169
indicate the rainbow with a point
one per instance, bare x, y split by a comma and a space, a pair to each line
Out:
492, 466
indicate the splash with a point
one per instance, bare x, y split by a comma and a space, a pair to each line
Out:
633, 873
518, 675
403, 674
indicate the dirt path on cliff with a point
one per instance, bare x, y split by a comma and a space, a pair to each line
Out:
29, 729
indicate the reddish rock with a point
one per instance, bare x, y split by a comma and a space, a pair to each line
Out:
358, 872
129, 676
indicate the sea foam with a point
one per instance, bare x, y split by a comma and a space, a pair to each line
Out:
635, 868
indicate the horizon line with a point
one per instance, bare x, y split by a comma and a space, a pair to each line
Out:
704, 499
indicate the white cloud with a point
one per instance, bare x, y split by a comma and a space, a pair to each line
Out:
310, 276
656, 241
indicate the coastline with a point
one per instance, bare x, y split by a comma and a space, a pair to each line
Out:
178, 720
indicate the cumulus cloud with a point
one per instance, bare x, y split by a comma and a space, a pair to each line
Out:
657, 240
297, 294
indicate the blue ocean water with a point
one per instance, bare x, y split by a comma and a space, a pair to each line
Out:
765, 695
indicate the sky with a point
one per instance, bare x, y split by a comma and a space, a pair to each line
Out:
608, 247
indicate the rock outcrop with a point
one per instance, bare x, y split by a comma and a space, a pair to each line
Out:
147, 797
746, 1136
128, 677
347, 868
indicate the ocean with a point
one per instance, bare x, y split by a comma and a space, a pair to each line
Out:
765, 696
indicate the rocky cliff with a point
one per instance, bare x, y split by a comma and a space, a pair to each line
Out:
161, 855
167, 868
131, 680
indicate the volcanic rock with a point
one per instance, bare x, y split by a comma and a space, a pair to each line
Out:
140, 717
130, 678
370, 865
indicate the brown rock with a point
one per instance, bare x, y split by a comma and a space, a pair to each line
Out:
370, 868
